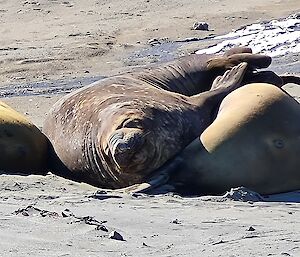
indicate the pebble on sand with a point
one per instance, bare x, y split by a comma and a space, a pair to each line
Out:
251, 228
200, 25
115, 235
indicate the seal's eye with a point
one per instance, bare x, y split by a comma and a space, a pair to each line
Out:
135, 123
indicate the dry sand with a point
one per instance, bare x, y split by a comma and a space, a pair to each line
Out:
66, 44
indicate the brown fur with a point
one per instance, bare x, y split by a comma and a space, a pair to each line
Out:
116, 132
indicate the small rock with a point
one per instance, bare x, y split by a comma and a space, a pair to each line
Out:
102, 227
153, 41
67, 4
25, 213
243, 194
115, 235
89, 220
176, 221
67, 213
200, 26
103, 192
137, 195
74, 34
251, 228
33, 211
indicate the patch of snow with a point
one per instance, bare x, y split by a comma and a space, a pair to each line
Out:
275, 38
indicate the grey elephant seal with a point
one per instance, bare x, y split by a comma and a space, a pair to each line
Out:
116, 132
253, 142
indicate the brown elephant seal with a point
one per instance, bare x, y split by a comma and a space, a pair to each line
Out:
253, 142
114, 134
23, 147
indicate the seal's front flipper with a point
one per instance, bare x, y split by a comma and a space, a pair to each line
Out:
159, 179
148, 186
231, 79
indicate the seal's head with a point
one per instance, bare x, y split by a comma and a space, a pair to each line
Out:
140, 140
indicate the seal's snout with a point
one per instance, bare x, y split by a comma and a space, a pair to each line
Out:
124, 144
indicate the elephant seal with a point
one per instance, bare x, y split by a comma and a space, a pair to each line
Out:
115, 133
23, 147
253, 142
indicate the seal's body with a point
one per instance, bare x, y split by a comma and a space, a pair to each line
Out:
253, 142
23, 148
115, 132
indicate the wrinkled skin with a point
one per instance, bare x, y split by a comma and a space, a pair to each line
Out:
108, 141
115, 133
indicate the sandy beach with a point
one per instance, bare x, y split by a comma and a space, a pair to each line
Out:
51, 47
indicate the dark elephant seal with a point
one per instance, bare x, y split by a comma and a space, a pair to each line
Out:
253, 142
23, 147
115, 133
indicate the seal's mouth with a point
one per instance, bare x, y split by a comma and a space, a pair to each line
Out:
124, 144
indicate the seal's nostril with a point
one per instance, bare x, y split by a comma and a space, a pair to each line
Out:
122, 146
115, 137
